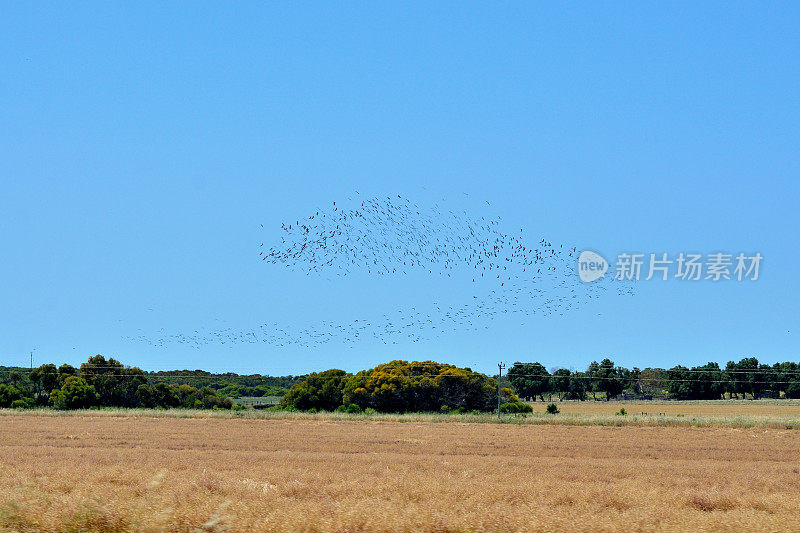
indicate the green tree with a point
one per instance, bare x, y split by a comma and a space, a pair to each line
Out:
45, 379
65, 371
560, 381
116, 384
158, 395
415, 386
323, 390
9, 394
529, 380
652, 381
746, 377
700, 383
606, 378
76, 393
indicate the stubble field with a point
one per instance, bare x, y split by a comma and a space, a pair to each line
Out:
109, 473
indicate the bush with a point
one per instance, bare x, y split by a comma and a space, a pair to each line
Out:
8, 395
353, 409
552, 409
459, 411
322, 390
340, 409
74, 394
621, 412
370, 411
24, 403
313, 410
426, 386
515, 408
238, 407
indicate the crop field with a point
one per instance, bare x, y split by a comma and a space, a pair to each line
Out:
137, 473
773, 409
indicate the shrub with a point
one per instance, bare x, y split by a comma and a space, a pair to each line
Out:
8, 395
422, 386
621, 412
370, 411
238, 407
552, 409
74, 394
23, 403
322, 390
516, 407
459, 411
340, 409
353, 409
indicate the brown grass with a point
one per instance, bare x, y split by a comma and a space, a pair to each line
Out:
724, 408
88, 473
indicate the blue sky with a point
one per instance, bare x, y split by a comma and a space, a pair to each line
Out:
142, 145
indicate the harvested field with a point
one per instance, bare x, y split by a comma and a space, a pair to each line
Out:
766, 409
214, 474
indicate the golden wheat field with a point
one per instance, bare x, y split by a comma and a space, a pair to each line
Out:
109, 473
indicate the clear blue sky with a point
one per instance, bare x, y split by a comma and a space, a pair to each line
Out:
142, 145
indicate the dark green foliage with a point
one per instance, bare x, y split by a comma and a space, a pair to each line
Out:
22, 403
699, 383
76, 393
552, 409
529, 380
323, 390
114, 383
515, 408
746, 377
397, 386
606, 378
9, 394
400, 386
568, 385
45, 379
158, 395
101, 382
228, 384
793, 389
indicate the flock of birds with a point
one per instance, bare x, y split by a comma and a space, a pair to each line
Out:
394, 236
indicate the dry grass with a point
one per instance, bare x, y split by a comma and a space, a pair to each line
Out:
104, 473
785, 409
779, 414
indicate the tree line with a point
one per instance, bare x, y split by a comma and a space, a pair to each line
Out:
746, 378
398, 386
101, 382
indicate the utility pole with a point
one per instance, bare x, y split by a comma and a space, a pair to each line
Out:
500, 367
31, 359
